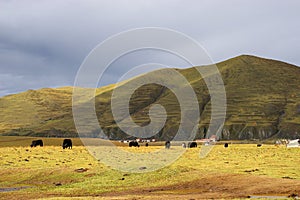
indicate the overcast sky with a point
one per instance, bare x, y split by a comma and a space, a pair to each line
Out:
43, 43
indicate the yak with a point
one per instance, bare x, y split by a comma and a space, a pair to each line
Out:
192, 144
67, 143
35, 143
167, 145
133, 144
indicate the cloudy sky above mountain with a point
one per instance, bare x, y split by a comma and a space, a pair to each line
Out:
43, 43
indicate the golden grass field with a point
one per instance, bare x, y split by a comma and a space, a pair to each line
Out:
239, 171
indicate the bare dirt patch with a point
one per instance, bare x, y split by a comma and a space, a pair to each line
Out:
217, 186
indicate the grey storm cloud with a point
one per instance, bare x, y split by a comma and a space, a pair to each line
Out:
43, 43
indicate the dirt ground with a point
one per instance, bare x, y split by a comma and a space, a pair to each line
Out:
213, 186
217, 187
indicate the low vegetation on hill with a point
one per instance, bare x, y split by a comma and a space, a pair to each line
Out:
263, 101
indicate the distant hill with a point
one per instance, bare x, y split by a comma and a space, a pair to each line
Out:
263, 101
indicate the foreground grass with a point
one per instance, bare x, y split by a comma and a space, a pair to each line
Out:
52, 172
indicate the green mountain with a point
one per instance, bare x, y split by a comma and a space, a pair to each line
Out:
263, 101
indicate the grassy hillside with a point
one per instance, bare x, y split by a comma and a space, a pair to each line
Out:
37, 111
263, 96
263, 101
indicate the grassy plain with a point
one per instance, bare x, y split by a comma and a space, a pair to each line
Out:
235, 172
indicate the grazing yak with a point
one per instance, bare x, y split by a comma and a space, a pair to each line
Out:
259, 145
192, 145
133, 144
35, 143
167, 144
67, 143
226, 145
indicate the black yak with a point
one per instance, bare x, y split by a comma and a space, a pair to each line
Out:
35, 143
133, 144
67, 143
167, 145
192, 144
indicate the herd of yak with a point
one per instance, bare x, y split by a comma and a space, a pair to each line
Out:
67, 143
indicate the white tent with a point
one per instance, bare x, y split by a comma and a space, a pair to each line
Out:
293, 143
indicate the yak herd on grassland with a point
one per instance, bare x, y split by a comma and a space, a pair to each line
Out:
67, 143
